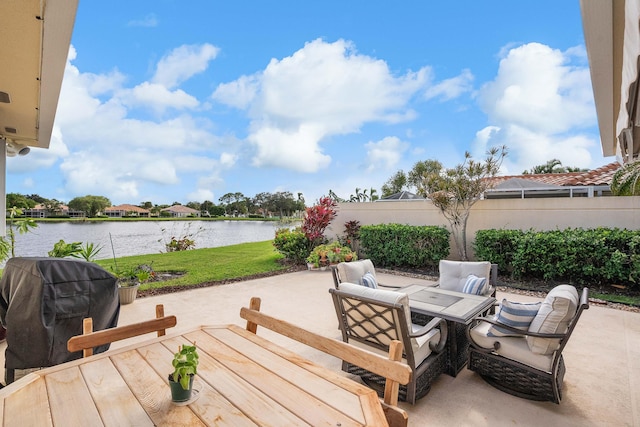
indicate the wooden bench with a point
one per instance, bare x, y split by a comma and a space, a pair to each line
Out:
89, 339
392, 369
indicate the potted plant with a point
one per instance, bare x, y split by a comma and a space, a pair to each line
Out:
185, 367
129, 280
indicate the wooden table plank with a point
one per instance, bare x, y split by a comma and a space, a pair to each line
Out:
28, 406
152, 390
284, 391
114, 400
67, 389
256, 406
333, 394
370, 402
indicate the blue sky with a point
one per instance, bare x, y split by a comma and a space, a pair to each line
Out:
187, 101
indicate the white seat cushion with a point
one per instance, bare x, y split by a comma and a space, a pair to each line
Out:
454, 274
557, 310
514, 348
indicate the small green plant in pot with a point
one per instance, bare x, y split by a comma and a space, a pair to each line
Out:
185, 367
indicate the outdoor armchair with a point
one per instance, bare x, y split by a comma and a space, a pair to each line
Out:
373, 318
519, 350
460, 276
354, 271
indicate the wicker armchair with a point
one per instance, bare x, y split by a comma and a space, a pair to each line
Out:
527, 363
372, 318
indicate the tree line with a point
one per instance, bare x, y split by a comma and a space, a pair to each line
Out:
282, 204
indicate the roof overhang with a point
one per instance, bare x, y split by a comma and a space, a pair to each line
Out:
612, 37
35, 38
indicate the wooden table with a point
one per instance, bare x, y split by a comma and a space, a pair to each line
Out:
243, 380
457, 308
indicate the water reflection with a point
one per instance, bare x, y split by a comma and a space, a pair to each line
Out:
141, 237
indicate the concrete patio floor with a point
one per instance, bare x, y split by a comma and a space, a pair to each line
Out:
601, 386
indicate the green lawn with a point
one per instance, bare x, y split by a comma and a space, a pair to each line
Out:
205, 265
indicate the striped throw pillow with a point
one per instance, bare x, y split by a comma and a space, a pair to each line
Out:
369, 280
474, 285
516, 314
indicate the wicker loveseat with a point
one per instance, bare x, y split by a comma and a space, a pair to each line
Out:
526, 359
372, 318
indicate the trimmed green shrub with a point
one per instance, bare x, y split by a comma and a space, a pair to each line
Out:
397, 245
581, 256
293, 244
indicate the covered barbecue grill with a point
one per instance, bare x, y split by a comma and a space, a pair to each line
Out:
42, 304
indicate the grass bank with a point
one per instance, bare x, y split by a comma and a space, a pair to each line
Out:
205, 265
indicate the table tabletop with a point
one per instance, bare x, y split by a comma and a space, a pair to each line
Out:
450, 305
243, 380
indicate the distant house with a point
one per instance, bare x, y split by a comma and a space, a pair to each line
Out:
40, 211
180, 211
596, 182
126, 210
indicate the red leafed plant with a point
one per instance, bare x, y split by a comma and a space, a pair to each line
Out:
317, 219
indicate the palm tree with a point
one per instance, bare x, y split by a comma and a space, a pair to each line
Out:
626, 181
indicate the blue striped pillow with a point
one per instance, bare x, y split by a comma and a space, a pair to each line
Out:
474, 285
369, 280
516, 314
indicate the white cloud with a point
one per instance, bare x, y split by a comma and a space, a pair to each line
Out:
157, 97
537, 105
184, 62
321, 90
385, 153
150, 20
104, 149
451, 88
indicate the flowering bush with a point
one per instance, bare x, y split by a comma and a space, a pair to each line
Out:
317, 219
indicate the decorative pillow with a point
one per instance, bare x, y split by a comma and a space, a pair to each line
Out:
369, 280
474, 285
515, 314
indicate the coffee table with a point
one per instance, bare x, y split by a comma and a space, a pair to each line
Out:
457, 308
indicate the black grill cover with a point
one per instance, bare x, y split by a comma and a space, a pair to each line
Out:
43, 302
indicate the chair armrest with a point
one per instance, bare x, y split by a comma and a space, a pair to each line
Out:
435, 322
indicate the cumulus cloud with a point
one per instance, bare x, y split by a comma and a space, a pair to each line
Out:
103, 147
539, 100
451, 88
183, 63
321, 90
385, 153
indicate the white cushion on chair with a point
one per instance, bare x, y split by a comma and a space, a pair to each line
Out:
420, 345
454, 274
353, 271
514, 348
557, 310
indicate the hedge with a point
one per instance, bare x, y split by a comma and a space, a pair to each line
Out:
398, 245
580, 256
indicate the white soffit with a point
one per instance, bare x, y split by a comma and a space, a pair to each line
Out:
603, 30
35, 37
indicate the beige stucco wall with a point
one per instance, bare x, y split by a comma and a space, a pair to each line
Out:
539, 214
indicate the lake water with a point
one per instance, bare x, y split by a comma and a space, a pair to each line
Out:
141, 237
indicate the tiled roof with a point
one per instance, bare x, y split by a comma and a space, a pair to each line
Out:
599, 176
180, 208
127, 208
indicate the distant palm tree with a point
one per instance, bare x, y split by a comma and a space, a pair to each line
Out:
626, 181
